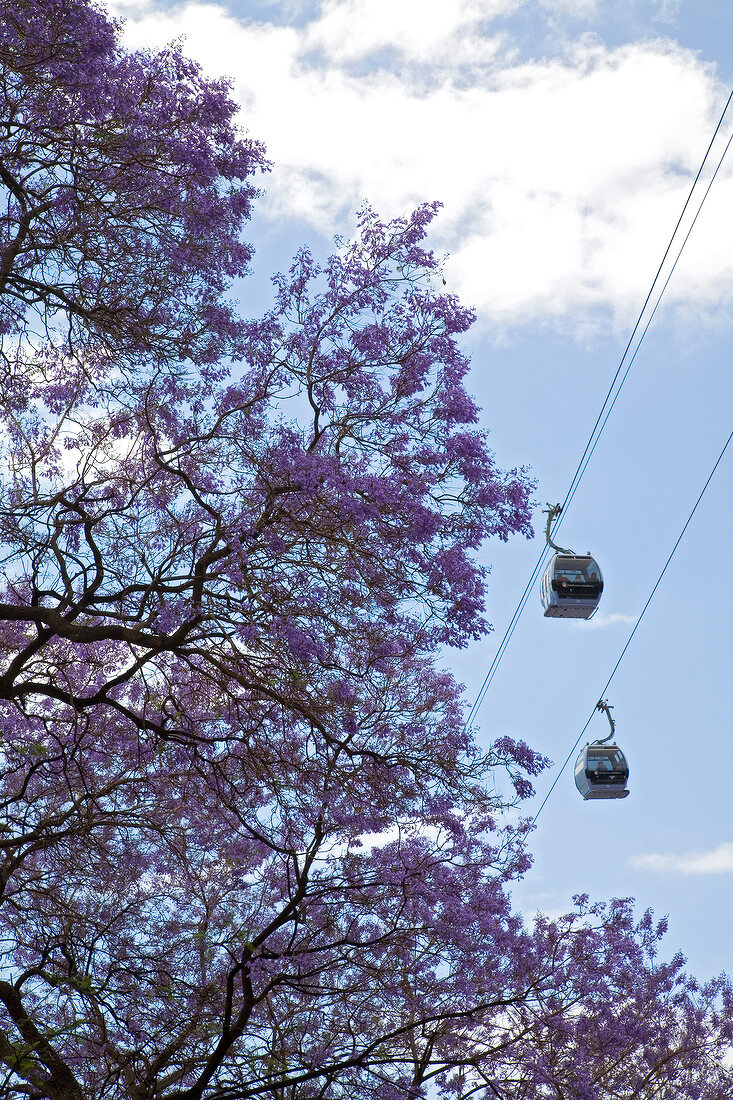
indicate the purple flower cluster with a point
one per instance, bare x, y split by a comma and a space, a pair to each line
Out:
123, 191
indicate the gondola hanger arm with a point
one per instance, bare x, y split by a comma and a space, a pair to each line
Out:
602, 704
553, 511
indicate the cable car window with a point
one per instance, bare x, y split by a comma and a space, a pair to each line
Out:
601, 762
572, 576
578, 570
606, 765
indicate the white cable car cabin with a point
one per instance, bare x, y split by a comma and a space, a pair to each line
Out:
572, 583
601, 770
571, 586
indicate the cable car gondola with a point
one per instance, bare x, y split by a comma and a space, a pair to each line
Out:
601, 770
572, 583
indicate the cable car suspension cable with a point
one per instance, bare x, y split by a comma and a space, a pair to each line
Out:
507, 637
601, 419
571, 494
636, 625
580, 469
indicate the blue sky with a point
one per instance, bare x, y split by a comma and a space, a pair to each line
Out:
562, 137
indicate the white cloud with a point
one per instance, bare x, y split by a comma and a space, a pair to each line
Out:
562, 178
577, 9
420, 30
599, 621
719, 861
669, 11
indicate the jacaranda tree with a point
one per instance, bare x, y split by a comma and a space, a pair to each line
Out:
248, 848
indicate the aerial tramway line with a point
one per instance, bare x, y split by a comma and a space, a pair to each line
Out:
572, 584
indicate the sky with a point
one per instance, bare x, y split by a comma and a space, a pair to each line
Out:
562, 137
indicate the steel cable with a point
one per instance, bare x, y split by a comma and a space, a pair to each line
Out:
601, 419
636, 625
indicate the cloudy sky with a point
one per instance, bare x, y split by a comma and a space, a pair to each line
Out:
562, 137
550, 146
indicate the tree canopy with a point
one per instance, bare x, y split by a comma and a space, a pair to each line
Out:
248, 847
